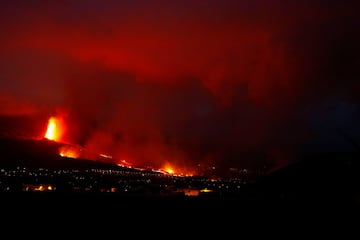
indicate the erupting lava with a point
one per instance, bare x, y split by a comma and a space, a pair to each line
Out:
169, 170
54, 132
176, 171
70, 152
54, 129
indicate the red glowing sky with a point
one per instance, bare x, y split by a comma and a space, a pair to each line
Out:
184, 82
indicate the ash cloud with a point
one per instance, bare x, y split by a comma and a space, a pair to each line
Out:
232, 83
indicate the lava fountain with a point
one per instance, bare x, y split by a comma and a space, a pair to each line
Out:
54, 129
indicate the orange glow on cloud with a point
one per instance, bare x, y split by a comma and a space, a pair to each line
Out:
208, 82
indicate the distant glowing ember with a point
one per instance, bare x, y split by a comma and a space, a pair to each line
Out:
70, 152
54, 129
105, 156
176, 170
205, 190
169, 170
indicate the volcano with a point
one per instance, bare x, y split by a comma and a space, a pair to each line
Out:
43, 153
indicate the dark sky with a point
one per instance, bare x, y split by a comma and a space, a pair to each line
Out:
185, 82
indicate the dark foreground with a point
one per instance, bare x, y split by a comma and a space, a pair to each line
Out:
174, 216
314, 189
82, 204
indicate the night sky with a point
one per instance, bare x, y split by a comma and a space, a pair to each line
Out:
231, 83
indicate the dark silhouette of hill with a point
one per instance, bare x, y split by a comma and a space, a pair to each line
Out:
22, 126
323, 178
41, 154
328, 182
332, 177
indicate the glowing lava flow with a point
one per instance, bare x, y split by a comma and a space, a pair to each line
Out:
176, 171
70, 151
54, 131
169, 170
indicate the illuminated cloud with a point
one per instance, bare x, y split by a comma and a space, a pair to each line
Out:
180, 81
